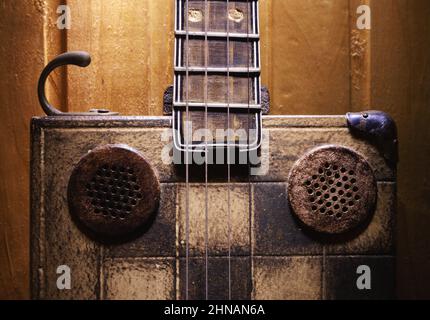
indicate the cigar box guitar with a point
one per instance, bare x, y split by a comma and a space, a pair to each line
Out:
218, 199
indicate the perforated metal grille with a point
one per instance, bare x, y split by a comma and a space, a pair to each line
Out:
333, 190
114, 191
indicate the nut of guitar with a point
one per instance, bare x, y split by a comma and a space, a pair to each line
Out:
332, 190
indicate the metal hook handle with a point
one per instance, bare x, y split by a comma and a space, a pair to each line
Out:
77, 58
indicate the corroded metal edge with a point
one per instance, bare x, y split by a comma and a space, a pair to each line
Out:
102, 122
166, 121
37, 238
380, 129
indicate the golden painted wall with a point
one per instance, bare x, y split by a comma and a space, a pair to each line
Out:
314, 62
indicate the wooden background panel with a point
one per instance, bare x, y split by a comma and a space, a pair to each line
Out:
131, 44
305, 52
401, 86
313, 62
25, 48
360, 60
130, 76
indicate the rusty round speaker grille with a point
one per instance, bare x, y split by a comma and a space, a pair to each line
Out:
113, 191
332, 190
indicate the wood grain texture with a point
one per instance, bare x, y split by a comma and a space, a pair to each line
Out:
400, 85
360, 60
306, 56
306, 63
24, 49
131, 44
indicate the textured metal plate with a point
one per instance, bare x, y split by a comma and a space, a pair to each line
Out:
272, 255
332, 190
113, 191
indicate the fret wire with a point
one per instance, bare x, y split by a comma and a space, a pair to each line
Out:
217, 34
215, 70
216, 105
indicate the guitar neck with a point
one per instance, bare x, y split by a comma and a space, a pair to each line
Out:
217, 55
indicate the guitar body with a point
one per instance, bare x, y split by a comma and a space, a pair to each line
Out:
273, 234
216, 200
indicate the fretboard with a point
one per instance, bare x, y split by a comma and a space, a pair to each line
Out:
217, 62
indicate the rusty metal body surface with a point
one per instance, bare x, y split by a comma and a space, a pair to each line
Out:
121, 192
274, 255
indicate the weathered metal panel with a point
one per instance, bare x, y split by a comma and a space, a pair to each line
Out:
218, 284
159, 238
341, 278
138, 278
63, 243
218, 219
273, 255
287, 278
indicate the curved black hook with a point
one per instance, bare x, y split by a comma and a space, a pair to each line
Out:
77, 58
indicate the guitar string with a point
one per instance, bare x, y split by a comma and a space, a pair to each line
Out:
228, 153
206, 149
206, 146
248, 124
187, 181
206, 20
